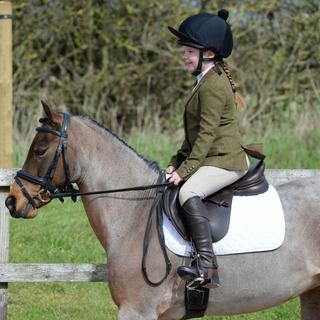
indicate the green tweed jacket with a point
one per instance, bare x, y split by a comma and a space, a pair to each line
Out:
212, 135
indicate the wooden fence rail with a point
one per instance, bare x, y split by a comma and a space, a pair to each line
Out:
10, 272
53, 272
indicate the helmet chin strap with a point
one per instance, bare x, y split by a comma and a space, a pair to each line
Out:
200, 62
199, 66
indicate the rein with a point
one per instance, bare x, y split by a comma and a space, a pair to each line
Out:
76, 193
50, 191
157, 207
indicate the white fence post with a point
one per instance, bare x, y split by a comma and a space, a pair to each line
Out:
4, 251
5, 180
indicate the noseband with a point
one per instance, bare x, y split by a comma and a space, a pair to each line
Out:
48, 187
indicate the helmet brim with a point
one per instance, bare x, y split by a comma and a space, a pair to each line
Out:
184, 40
176, 33
189, 43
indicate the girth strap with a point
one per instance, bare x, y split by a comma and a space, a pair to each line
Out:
196, 302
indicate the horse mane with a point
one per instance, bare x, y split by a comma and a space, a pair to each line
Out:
151, 163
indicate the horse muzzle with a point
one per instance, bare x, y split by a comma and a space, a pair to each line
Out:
19, 208
11, 205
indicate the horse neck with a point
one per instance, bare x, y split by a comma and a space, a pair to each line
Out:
105, 162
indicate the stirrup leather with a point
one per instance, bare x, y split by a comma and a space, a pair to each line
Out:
200, 278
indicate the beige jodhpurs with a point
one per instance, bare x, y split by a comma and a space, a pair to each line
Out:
208, 180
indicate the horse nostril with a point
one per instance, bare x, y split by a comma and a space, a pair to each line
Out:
11, 204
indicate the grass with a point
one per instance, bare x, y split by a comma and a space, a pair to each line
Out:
61, 233
285, 150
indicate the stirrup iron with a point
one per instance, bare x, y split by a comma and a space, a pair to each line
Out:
195, 283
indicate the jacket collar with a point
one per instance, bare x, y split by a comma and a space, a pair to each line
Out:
203, 73
198, 85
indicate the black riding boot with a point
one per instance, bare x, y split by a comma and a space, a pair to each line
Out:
203, 270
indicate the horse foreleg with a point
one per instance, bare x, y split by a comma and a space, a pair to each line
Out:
310, 304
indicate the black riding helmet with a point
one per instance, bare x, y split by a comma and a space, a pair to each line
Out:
206, 31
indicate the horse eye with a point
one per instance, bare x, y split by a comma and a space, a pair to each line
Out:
40, 151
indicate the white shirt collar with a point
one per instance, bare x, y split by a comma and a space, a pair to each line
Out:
202, 74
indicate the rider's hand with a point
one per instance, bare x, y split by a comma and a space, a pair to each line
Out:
175, 178
170, 169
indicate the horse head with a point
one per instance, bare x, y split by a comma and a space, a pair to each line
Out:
46, 169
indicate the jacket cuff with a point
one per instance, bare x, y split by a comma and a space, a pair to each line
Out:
176, 160
173, 161
186, 169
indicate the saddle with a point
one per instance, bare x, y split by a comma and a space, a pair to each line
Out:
219, 204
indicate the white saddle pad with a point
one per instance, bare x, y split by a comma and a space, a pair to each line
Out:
256, 224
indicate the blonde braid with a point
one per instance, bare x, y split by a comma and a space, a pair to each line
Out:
240, 102
228, 73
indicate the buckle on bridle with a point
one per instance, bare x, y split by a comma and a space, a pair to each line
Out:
44, 195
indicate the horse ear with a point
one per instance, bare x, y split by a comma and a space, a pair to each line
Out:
47, 110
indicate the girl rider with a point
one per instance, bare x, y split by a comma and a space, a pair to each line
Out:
211, 156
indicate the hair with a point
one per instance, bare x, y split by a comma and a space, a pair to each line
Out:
240, 102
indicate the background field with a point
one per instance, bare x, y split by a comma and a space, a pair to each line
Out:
61, 233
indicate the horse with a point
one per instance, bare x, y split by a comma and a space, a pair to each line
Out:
95, 159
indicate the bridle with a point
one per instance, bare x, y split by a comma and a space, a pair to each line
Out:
46, 183
50, 191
